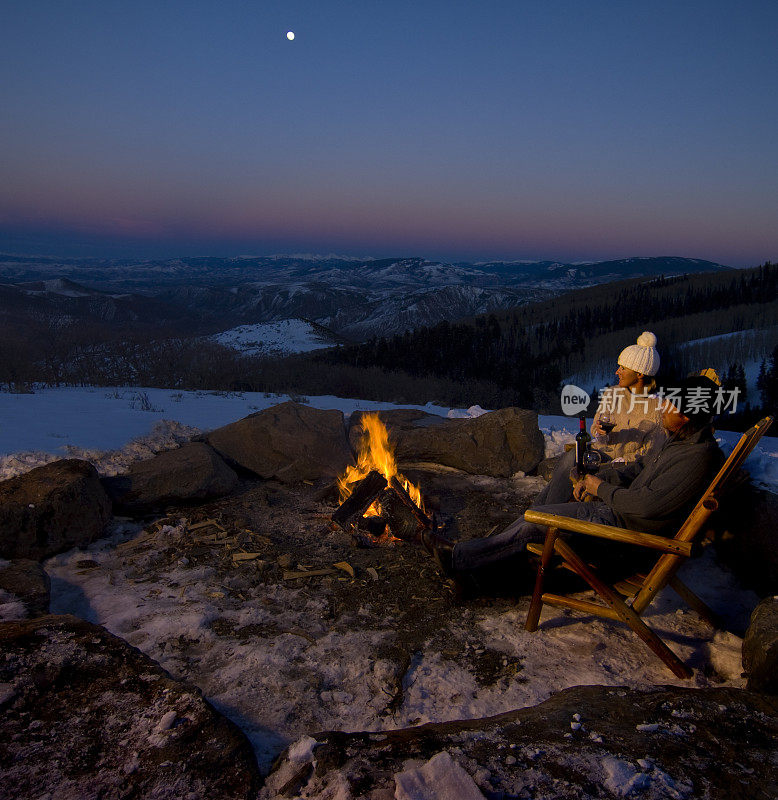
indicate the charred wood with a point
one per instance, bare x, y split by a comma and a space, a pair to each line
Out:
422, 518
403, 523
360, 499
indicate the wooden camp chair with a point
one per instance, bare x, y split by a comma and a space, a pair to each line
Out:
642, 589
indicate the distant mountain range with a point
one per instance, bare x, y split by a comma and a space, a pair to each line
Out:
356, 298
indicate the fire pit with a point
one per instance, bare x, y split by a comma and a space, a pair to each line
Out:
377, 503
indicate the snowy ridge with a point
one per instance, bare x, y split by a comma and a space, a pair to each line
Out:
112, 427
356, 297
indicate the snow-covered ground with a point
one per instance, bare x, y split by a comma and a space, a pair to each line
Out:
284, 336
112, 427
310, 677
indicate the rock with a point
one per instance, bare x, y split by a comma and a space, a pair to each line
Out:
500, 443
50, 509
587, 741
290, 442
191, 473
760, 648
28, 581
547, 466
86, 715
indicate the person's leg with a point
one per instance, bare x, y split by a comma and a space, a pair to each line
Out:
560, 488
478, 553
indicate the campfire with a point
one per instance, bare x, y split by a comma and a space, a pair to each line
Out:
377, 503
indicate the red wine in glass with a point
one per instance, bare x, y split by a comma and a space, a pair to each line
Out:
606, 422
592, 460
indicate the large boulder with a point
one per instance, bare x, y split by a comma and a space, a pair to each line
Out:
584, 742
500, 443
290, 442
192, 473
760, 648
27, 581
84, 715
51, 508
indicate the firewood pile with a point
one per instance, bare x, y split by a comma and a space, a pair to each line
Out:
378, 505
379, 511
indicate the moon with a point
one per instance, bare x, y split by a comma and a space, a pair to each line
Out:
290, 35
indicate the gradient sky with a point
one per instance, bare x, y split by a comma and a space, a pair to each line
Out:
519, 129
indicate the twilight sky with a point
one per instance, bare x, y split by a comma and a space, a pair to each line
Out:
458, 129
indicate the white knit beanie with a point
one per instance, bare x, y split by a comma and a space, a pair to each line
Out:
641, 357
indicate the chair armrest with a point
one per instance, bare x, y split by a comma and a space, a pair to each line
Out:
661, 543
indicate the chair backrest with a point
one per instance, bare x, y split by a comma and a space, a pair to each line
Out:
665, 567
709, 502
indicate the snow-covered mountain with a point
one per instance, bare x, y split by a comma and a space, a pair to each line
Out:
356, 298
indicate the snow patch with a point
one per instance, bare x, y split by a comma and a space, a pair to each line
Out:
440, 778
726, 655
284, 336
11, 607
621, 778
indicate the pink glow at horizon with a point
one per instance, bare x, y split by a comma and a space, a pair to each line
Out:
441, 129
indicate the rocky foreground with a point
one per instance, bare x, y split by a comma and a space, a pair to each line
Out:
87, 716
315, 634
585, 742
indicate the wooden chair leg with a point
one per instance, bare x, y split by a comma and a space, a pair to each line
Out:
537, 596
626, 614
694, 602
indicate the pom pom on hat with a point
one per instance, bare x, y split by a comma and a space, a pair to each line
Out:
641, 357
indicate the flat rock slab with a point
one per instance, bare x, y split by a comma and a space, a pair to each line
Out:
84, 715
28, 582
500, 443
290, 442
584, 742
191, 473
52, 508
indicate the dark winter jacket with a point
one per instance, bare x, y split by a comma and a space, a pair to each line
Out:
655, 493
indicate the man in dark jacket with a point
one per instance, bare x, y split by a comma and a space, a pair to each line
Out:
653, 494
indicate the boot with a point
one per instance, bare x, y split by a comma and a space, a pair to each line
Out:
441, 549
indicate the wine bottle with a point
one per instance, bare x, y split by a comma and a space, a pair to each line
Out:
582, 440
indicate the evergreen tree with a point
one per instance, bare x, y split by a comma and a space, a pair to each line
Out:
768, 383
735, 378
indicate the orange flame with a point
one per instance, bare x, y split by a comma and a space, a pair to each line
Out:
375, 453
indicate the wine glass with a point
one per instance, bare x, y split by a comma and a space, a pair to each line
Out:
606, 422
592, 460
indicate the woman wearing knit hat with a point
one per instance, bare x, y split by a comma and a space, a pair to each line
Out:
632, 406
633, 410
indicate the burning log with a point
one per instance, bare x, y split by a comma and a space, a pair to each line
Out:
421, 518
360, 499
403, 523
